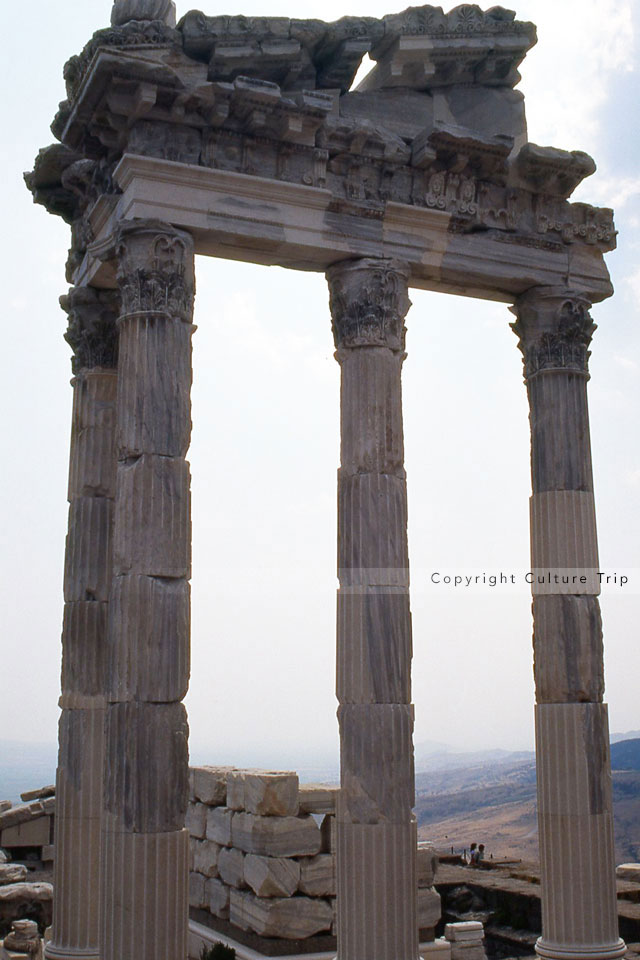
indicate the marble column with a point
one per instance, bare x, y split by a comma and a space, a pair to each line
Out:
575, 821
92, 334
145, 843
376, 832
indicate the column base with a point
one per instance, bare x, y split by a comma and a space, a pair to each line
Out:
53, 952
565, 951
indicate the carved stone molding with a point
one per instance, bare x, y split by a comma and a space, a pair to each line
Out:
92, 332
155, 269
369, 301
554, 330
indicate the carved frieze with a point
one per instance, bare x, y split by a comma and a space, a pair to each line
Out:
554, 330
155, 269
92, 332
369, 301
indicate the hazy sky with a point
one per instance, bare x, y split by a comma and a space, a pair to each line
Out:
265, 439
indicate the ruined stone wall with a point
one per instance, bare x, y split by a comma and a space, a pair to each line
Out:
263, 855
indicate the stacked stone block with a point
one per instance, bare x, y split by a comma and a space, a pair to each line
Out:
263, 854
260, 854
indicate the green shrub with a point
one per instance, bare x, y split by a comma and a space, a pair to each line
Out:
219, 951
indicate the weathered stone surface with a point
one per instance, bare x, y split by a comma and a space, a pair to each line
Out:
87, 569
375, 665
135, 904
146, 785
155, 363
568, 649
152, 534
84, 645
218, 898
468, 930
317, 798
263, 793
26, 892
219, 825
20, 813
41, 794
24, 938
429, 908
375, 738
292, 918
328, 832
196, 820
48, 853
12, 873
30, 833
271, 876
149, 628
125, 10
426, 864
210, 785
205, 857
5, 805
92, 460
197, 896
231, 867
276, 836
628, 871
318, 875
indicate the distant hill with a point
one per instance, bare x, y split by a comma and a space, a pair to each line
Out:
625, 755
495, 804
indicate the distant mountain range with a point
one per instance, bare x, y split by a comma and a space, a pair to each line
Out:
494, 802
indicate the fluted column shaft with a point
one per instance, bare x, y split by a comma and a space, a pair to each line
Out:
145, 844
376, 832
93, 335
575, 820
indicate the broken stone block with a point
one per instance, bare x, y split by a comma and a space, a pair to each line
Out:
429, 908
318, 875
210, 785
271, 876
218, 898
469, 930
231, 867
12, 873
48, 853
196, 820
5, 805
328, 833
263, 793
24, 938
276, 836
40, 794
292, 918
197, 895
427, 864
219, 825
317, 798
205, 855
629, 871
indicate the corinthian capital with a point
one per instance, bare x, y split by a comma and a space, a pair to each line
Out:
369, 301
92, 332
554, 330
155, 269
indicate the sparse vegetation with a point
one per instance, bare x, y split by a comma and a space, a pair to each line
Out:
218, 951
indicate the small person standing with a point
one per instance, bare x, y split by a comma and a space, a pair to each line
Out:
473, 855
480, 854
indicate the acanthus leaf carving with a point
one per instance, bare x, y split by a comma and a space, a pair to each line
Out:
369, 301
155, 270
554, 330
92, 331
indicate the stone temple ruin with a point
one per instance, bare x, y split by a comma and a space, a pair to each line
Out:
243, 138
